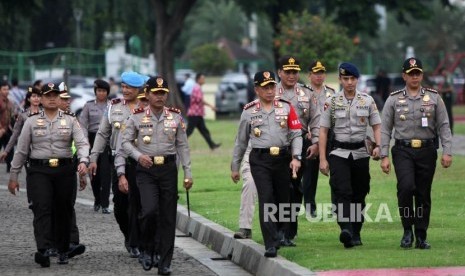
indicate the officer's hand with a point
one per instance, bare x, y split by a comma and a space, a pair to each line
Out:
446, 161
235, 176
145, 161
386, 165
82, 183
92, 169
313, 151
82, 169
188, 182
123, 184
13, 186
3, 156
376, 153
324, 167
295, 166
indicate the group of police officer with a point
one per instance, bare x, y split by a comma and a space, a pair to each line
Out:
289, 120
137, 137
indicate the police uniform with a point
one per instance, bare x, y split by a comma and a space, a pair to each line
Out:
112, 124
273, 136
418, 121
161, 137
305, 104
311, 171
349, 160
45, 143
90, 119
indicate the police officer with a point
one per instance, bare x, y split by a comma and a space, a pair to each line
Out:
419, 117
272, 126
90, 118
316, 76
349, 113
305, 103
161, 135
113, 122
46, 139
65, 97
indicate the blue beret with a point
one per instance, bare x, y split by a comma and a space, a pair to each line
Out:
348, 69
132, 79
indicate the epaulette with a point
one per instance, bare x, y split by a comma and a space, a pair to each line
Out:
69, 113
115, 101
364, 94
249, 105
33, 114
397, 92
174, 109
431, 90
306, 86
330, 88
282, 100
138, 110
91, 101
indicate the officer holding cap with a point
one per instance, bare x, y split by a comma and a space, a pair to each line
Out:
112, 124
90, 118
349, 113
273, 128
161, 136
305, 103
316, 76
419, 117
46, 140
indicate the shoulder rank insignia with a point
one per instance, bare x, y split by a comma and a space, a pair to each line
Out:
69, 113
282, 100
137, 110
115, 101
249, 105
174, 109
397, 92
431, 90
330, 88
33, 114
306, 86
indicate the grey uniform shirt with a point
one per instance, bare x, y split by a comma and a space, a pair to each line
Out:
278, 127
421, 117
45, 138
351, 120
322, 96
91, 116
157, 136
22, 117
113, 121
305, 104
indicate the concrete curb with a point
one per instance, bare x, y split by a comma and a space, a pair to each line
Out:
245, 253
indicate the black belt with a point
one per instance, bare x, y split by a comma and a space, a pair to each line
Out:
163, 159
347, 145
281, 150
416, 143
52, 162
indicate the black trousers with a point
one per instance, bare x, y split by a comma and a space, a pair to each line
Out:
127, 206
52, 194
271, 176
310, 182
415, 170
198, 122
101, 182
350, 184
158, 187
3, 142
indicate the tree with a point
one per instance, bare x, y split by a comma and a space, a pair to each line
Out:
311, 38
210, 60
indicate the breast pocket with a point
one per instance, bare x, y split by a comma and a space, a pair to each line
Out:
39, 132
144, 131
64, 133
362, 117
340, 118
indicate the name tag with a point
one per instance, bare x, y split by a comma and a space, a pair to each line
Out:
424, 122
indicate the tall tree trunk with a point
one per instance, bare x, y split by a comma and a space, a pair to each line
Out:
168, 29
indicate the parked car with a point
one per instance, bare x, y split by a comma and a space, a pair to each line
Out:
80, 95
367, 84
231, 95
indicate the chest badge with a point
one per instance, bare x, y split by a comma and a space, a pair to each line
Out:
402, 117
426, 98
257, 132
117, 125
147, 139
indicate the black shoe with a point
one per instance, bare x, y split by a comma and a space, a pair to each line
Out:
164, 271
243, 233
356, 240
96, 207
156, 260
53, 252
215, 146
42, 258
76, 249
346, 238
62, 258
407, 239
146, 260
422, 244
271, 252
106, 211
287, 242
134, 252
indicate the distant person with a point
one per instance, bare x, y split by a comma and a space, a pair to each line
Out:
37, 84
7, 117
251, 95
196, 112
187, 90
114, 88
383, 87
446, 90
16, 96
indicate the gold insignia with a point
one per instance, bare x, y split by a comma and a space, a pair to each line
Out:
117, 125
257, 132
412, 62
62, 122
145, 119
402, 117
147, 139
401, 101
282, 124
266, 74
291, 61
426, 98
40, 122
342, 71
305, 111
328, 94
159, 82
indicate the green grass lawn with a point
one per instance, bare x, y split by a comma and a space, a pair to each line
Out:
216, 197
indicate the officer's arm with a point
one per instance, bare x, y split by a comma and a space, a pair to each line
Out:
387, 126
120, 162
22, 150
129, 135
84, 119
443, 127
101, 138
182, 148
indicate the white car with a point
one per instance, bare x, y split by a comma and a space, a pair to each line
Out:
232, 93
80, 95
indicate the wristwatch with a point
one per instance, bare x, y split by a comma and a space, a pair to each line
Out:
298, 157
85, 163
120, 174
